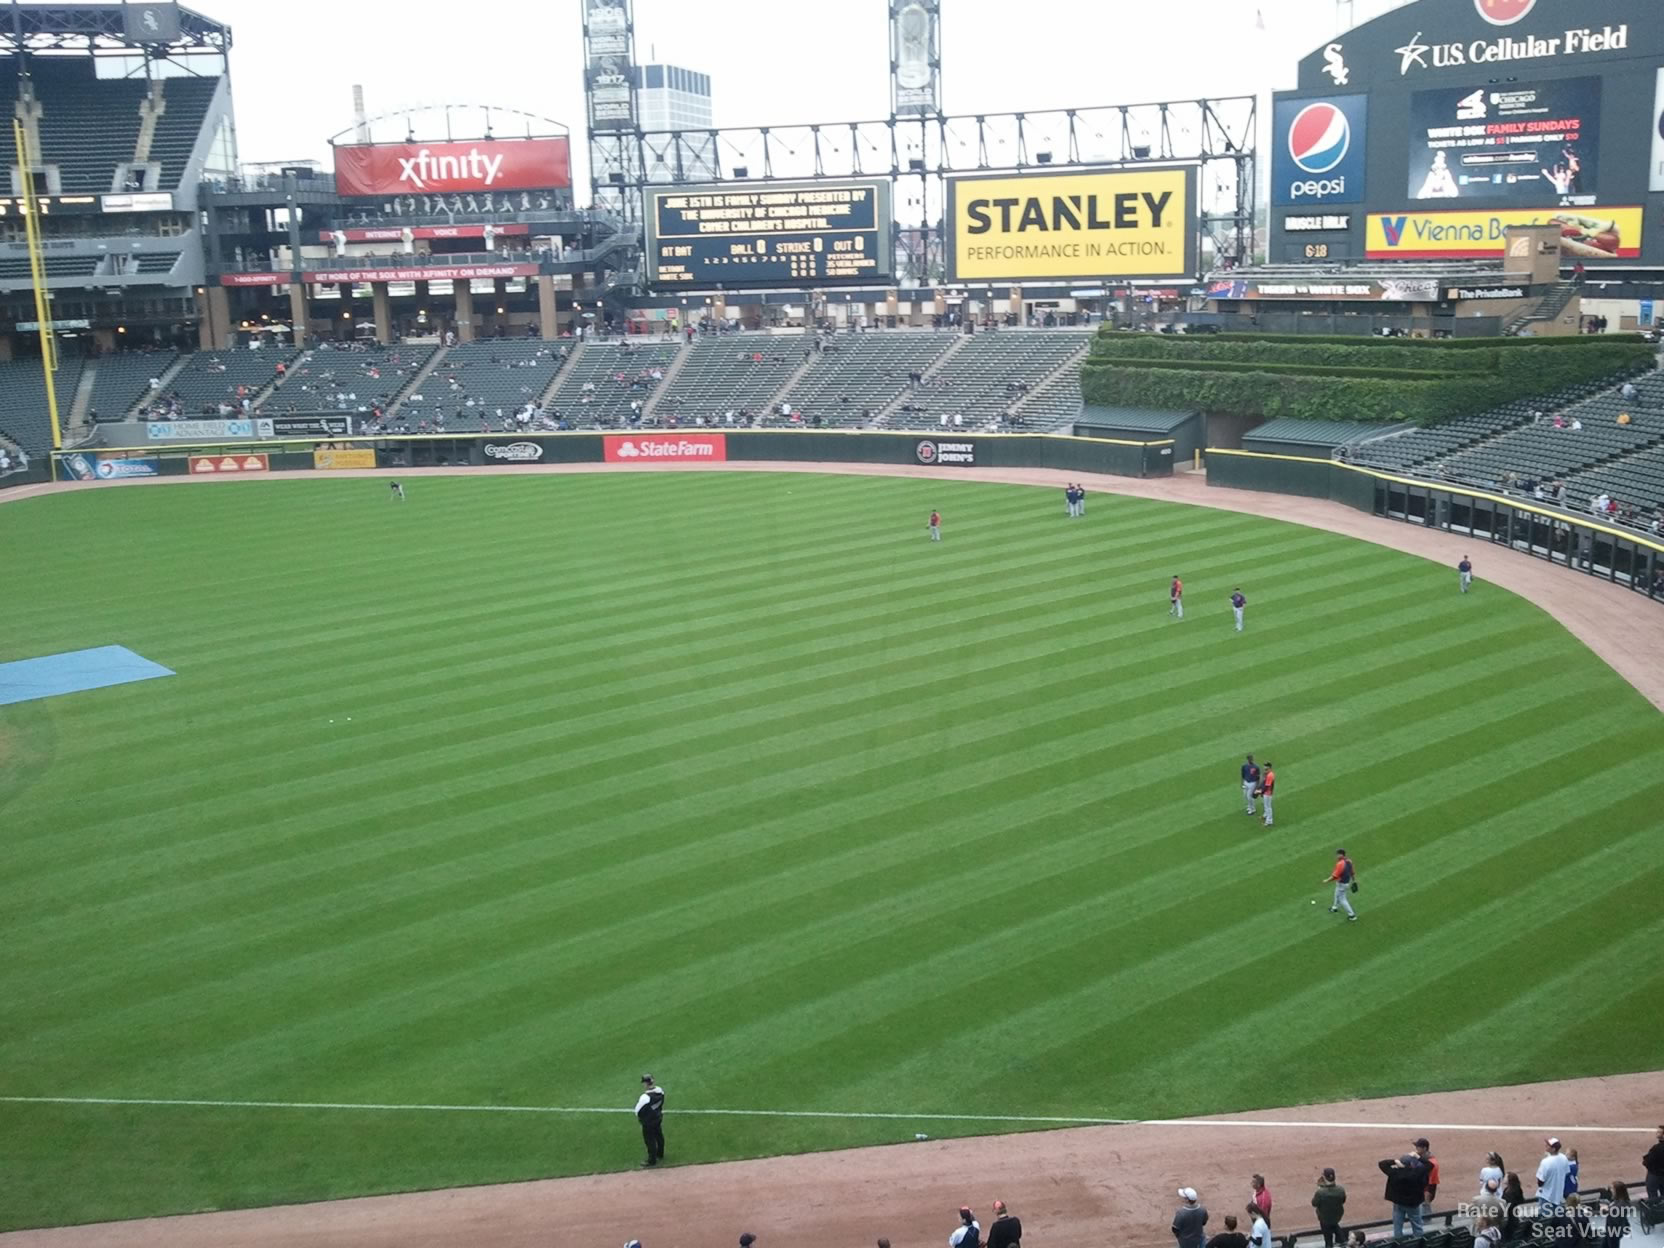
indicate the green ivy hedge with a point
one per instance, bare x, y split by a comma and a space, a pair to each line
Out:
1334, 378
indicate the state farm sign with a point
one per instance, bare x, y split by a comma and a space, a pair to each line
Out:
486, 165
648, 448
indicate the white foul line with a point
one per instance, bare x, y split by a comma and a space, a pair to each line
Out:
823, 1113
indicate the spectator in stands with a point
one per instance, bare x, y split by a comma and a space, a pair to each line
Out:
1513, 1196
1559, 421
969, 1232
1357, 1241
1406, 1187
1230, 1237
1259, 1230
1490, 1203
1190, 1222
1487, 1232
1628, 391
1423, 1150
1552, 1172
1571, 1172
1493, 1169
1329, 1200
1262, 1194
1623, 418
1577, 425
1006, 1230
1653, 1160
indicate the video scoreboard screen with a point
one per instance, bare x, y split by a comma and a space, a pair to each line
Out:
769, 234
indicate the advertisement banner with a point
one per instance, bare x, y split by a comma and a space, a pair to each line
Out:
198, 430
1460, 293
352, 458
304, 426
226, 465
707, 448
1655, 178
394, 234
517, 451
1111, 224
1521, 141
929, 451
254, 279
1609, 234
1317, 150
427, 273
478, 165
116, 467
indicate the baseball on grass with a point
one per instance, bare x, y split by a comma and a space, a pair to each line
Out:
1314, 903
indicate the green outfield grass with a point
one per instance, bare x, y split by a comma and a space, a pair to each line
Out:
740, 780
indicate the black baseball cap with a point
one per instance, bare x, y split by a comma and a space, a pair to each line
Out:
647, 1078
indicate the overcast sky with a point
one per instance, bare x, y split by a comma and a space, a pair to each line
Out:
771, 62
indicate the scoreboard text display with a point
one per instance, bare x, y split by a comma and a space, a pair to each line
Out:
769, 234
1073, 224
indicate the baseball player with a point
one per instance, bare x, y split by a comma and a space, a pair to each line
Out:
1268, 781
1237, 603
398, 491
1175, 595
935, 526
1250, 783
1342, 878
1465, 569
1080, 499
650, 1114
1069, 498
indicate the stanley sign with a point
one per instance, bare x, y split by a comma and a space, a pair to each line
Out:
1068, 224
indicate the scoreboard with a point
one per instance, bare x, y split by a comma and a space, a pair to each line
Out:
769, 234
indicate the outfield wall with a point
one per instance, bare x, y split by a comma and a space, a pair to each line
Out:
1580, 543
1110, 456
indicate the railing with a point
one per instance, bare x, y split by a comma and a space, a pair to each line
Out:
1449, 1217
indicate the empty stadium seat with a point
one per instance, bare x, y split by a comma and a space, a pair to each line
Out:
373, 376
979, 377
24, 416
478, 378
177, 129
122, 379
864, 372
88, 125
615, 372
730, 372
210, 378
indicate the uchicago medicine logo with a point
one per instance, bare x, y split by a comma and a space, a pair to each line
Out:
1319, 156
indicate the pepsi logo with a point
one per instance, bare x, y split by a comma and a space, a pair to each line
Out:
1319, 137
1503, 12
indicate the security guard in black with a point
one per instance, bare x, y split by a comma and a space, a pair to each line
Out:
650, 1114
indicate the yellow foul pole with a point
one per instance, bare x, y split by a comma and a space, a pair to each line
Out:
37, 271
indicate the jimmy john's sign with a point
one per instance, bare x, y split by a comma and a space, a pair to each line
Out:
1073, 224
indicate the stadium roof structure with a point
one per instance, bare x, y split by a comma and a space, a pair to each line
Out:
1133, 419
102, 28
1314, 435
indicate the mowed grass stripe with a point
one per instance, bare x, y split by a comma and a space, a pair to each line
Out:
746, 765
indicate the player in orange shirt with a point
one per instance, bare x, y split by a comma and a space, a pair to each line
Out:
1175, 594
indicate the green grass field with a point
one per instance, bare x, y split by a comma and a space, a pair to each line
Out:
740, 780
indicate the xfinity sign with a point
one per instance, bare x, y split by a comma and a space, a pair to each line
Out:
1318, 150
453, 167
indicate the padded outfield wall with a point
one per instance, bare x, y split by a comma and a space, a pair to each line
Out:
1579, 543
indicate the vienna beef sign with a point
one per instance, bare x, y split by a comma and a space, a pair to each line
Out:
431, 168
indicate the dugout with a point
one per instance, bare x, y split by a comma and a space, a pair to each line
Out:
1185, 430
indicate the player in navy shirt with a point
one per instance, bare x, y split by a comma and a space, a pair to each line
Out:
1250, 782
1466, 569
1237, 603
